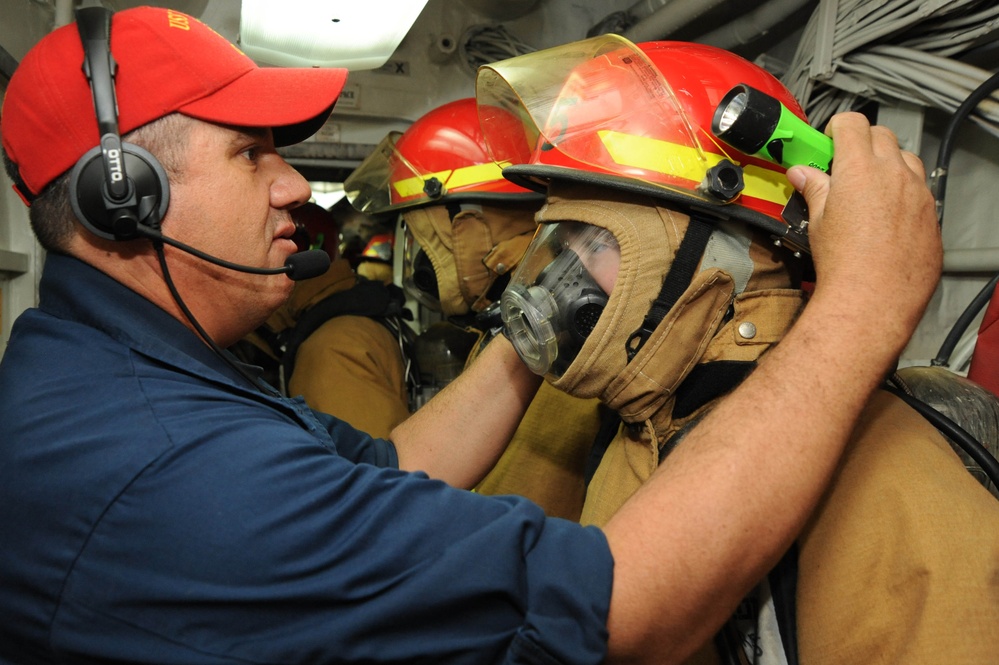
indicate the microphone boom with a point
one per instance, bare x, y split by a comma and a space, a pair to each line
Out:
299, 266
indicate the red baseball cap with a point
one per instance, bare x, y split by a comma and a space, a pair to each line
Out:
167, 62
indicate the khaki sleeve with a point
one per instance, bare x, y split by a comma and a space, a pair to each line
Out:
352, 368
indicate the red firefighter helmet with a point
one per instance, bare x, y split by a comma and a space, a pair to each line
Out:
441, 156
316, 228
635, 117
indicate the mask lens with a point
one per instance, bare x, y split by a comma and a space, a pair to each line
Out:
528, 316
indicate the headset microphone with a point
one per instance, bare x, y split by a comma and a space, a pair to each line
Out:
299, 266
308, 264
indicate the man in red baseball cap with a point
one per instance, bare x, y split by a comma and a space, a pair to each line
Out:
160, 504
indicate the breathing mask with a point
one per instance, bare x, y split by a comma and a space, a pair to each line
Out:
558, 292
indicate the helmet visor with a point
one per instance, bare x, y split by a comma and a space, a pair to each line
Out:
598, 104
369, 186
386, 180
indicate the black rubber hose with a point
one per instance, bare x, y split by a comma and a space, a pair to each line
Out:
947, 140
962, 323
954, 432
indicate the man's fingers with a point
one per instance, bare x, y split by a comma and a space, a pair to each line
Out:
915, 164
857, 137
851, 134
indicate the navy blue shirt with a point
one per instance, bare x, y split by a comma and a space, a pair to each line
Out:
157, 508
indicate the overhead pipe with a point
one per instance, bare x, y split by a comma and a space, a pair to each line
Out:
670, 17
63, 13
753, 25
645, 8
972, 259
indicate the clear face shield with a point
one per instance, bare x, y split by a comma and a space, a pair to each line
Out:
601, 106
558, 292
386, 180
368, 187
600, 103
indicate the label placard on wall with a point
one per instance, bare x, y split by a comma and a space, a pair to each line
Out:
350, 97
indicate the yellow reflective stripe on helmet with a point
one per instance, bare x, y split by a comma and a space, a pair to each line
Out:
410, 187
765, 184
656, 155
686, 162
473, 175
461, 177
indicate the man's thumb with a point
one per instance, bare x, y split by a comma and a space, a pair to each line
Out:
813, 185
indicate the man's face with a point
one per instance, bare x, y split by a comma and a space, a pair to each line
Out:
232, 200
597, 250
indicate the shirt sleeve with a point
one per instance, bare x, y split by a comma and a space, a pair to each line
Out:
253, 543
358, 446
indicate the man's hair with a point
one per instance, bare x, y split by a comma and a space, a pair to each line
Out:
51, 213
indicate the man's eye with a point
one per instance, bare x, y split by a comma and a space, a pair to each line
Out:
602, 241
251, 153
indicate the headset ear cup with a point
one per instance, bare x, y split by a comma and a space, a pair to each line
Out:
149, 193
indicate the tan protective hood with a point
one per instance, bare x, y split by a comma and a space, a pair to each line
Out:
740, 281
471, 251
307, 293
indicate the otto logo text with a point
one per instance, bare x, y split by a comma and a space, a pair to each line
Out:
114, 165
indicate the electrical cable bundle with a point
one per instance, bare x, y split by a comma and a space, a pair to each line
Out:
486, 44
909, 51
854, 51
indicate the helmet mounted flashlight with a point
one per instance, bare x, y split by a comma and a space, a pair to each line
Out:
757, 124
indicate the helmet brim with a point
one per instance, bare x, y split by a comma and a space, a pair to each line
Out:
537, 177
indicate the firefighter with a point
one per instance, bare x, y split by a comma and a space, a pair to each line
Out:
341, 341
655, 285
466, 229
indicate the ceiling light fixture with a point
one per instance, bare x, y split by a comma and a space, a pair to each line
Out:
325, 33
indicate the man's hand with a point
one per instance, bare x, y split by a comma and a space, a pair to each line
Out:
874, 233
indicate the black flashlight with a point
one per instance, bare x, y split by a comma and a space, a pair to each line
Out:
758, 124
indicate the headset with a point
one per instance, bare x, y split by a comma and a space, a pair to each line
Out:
118, 190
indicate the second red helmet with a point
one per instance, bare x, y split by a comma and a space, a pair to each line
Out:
441, 156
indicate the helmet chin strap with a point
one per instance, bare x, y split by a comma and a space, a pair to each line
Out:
681, 274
